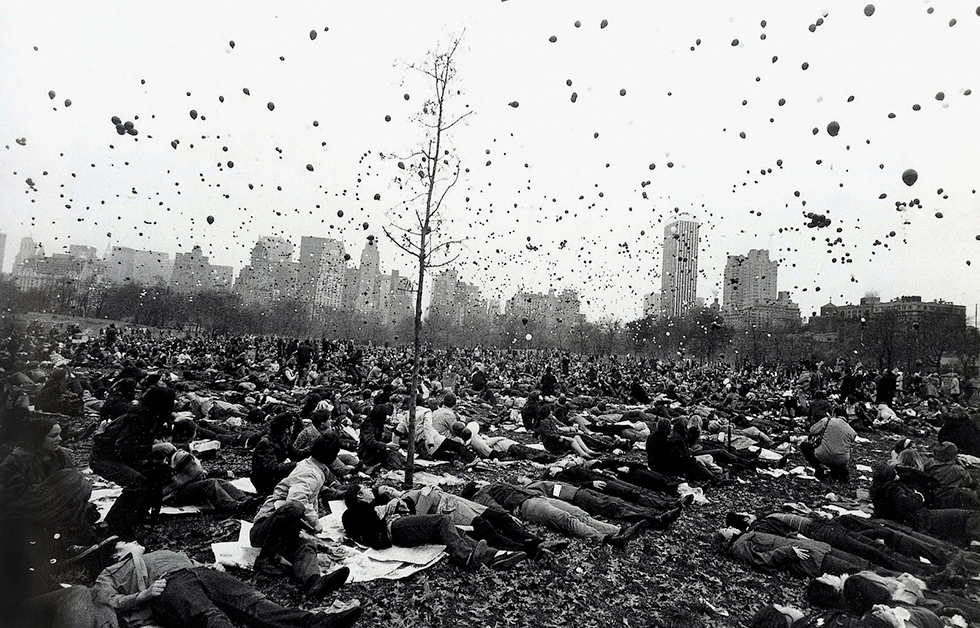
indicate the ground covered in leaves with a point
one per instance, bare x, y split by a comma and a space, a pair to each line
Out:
664, 578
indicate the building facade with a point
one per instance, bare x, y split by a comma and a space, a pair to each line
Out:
679, 277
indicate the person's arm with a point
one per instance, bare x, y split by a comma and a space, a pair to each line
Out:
121, 601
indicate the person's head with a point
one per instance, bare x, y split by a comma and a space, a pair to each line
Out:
861, 593
433, 403
309, 405
663, 426
325, 448
544, 411
825, 592
910, 458
469, 490
358, 494
534, 396
124, 549
158, 402
449, 400
775, 616
945, 452
679, 427
42, 436
183, 431
723, 537
282, 424
882, 473
739, 520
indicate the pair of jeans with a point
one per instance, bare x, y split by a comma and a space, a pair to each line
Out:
612, 507
203, 598
279, 534
502, 531
218, 494
866, 549
565, 517
415, 530
809, 453
451, 450
132, 506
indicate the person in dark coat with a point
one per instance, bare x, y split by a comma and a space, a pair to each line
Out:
270, 459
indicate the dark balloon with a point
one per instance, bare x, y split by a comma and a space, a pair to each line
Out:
67, 102
734, 42
365, 225
603, 23
271, 105
377, 197
51, 94
132, 131
116, 120
246, 92
407, 96
833, 129
514, 104
232, 44
622, 92
120, 129
340, 213
193, 114
578, 24
309, 167
574, 96
940, 96
312, 35
129, 125
910, 176
869, 10
387, 118
210, 220
939, 214
552, 39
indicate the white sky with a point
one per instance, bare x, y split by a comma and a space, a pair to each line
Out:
682, 107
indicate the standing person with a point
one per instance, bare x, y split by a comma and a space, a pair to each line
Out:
294, 506
829, 444
122, 453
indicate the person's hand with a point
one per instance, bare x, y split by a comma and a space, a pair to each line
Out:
392, 446
599, 484
154, 590
801, 553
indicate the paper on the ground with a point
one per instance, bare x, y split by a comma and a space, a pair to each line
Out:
332, 524
426, 479
420, 555
244, 484
429, 463
844, 511
238, 553
863, 468
685, 489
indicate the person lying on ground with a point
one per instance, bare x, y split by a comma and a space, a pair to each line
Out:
859, 592
294, 506
778, 616
799, 556
580, 476
640, 475
168, 589
191, 485
597, 503
447, 422
550, 512
790, 525
383, 525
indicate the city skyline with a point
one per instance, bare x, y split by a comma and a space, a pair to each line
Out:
846, 153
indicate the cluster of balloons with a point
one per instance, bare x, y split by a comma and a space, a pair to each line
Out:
122, 128
817, 221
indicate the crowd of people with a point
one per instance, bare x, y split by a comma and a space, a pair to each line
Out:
321, 419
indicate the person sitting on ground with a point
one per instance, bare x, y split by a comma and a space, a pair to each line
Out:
446, 421
122, 453
270, 459
597, 503
293, 506
346, 462
668, 453
529, 413
428, 442
550, 512
169, 589
829, 444
958, 487
549, 383
556, 440
383, 525
376, 449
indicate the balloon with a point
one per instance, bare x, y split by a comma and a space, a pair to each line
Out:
271, 105
309, 167
377, 197
129, 125
552, 39
120, 129
365, 225
527, 337
910, 176
51, 94
524, 320
833, 129
116, 120
387, 118
193, 114
246, 92
340, 213
869, 10
67, 102
232, 44
622, 92
514, 104
132, 131
312, 35
210, 220
603, 23
574, 96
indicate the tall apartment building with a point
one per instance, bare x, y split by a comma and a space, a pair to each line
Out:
194, 273
679, 277
749, 280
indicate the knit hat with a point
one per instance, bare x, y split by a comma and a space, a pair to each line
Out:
945, 452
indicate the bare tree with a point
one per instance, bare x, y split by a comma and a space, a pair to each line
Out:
415, 226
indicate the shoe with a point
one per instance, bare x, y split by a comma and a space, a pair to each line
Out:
479, 555
553, 546
342, 619
270, 566
662, 522
328, 583
687, 500
506, 560
632, 530
77, 553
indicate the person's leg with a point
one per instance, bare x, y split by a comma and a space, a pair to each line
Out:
581, 449
451, 450
208, 492
547, 512
185, 603
246, 605
508, 527
869, 550
478, 444
807, 449
650, 480
415, 530
483, 530
130, 508
279, 534
611, 507
518, 450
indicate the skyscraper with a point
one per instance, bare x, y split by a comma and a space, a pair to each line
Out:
330, 276
749, 280
368, 297
679, 278
310, 252
28, 251
3, 248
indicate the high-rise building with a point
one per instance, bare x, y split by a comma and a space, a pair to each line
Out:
146, 268
328, 293
456, 301
368, 275
310, 252
194, 273
749, 280
3, 248
271, 274
83, 252
679, 278
28, 250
